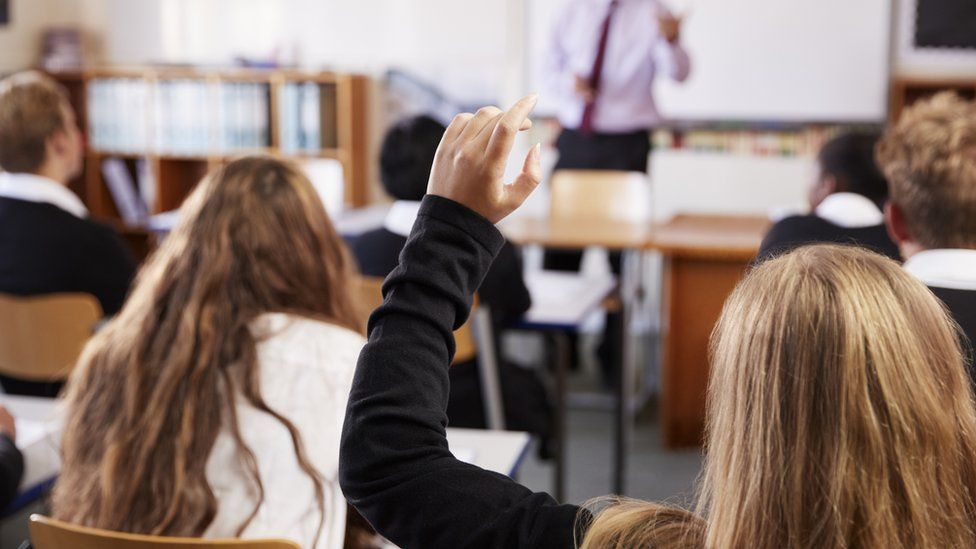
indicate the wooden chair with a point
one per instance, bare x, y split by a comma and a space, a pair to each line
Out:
42, 336
477, 329
47, 533
371, 296
599, 195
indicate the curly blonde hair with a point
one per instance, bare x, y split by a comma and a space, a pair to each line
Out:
929, 158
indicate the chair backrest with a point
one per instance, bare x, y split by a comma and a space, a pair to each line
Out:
599, 195
47, 533
42, 336
370, 297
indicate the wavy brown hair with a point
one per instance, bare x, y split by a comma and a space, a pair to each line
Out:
152, 390
840, 413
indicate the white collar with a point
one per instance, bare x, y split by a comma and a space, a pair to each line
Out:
850, 211
950, 269
399, 220
36, 188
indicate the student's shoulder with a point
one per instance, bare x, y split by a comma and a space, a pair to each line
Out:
293, 335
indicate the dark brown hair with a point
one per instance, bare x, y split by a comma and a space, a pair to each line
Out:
152, 390
31, 110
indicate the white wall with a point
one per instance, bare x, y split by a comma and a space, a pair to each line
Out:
20, 40
464, 44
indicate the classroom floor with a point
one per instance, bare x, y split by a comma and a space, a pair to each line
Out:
653, 473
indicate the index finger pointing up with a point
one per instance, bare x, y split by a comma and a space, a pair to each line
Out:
503, 136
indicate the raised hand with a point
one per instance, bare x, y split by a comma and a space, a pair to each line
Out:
470, 162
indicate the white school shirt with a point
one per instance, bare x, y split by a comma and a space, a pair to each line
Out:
950, 269
850, 211
401, 217
306, 370
40, 189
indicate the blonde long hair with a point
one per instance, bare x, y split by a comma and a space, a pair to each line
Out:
839, 412
152, 390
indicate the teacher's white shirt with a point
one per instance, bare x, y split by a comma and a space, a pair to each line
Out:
636, 54
306, 370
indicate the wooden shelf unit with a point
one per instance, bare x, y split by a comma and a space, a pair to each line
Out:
907, 90
343, 107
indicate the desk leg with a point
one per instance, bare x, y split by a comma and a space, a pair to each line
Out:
562, 354
624, 424
696, 290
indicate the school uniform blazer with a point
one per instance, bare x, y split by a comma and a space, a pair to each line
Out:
11, 471
800, 230
44, 249
395, 467
962, 305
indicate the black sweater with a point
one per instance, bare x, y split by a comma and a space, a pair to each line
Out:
962, 305
799, 230
395, 467
11, 471
503, 289
44, 249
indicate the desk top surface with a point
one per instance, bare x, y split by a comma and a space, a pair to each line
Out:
694, 235
39, 431
577, 233
710, 236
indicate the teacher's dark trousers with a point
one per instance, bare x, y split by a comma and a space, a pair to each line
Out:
600, 151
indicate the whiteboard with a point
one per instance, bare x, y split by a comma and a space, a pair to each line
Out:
765, 60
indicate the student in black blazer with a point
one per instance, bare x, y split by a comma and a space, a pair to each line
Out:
48, 244
929, 157
396, 467
11, 460
406, 156
846, 202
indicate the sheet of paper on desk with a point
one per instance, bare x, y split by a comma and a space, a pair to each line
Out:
30, 432
466, 455
42, 460
565, 298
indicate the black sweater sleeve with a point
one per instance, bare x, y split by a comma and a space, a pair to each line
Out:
11, 471
395, 466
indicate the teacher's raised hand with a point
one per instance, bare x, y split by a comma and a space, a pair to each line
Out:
470, 161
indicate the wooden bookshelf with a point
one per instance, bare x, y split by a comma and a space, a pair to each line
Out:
343, 132
905, 91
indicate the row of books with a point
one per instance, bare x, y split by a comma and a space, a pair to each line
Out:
804, 142
132, 185
307, 112
179, 116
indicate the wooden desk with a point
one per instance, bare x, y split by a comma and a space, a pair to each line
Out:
576, 234
704, 258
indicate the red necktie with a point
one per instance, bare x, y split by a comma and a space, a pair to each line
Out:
586, 125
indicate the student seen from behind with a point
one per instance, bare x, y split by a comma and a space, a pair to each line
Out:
212, 404
846, 200
929, 157
48, 243
857, 431
406, 157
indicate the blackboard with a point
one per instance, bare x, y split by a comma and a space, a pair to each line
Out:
945, 24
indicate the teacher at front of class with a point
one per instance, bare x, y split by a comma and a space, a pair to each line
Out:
603, 58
